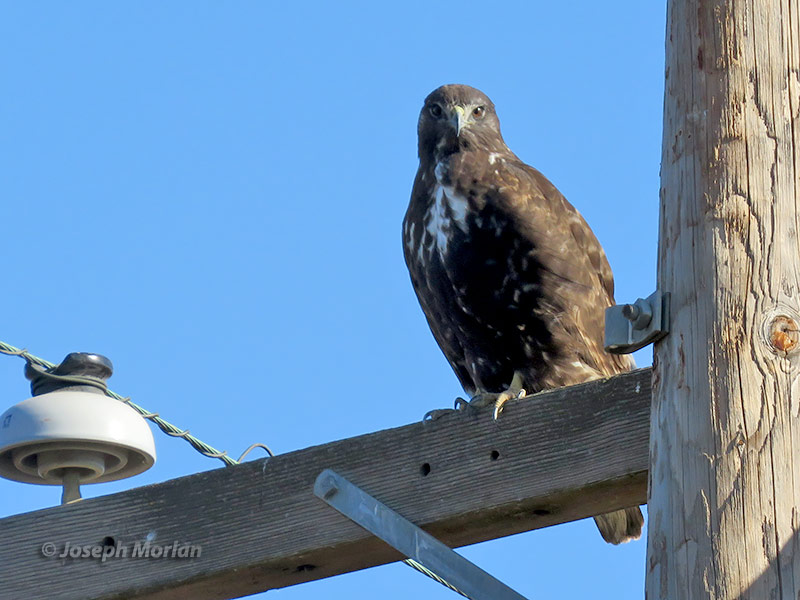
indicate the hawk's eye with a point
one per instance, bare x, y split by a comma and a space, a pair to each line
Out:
478, 112
436, 111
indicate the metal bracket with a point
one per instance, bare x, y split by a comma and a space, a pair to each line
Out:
470, 580
630, 327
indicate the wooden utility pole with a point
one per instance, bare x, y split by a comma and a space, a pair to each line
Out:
724, 507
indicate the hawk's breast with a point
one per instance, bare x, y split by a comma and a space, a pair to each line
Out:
444, 222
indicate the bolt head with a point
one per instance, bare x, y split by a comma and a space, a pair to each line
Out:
630, 312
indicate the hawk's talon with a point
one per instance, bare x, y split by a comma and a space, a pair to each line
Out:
436, 414
500, 403
461, 404
504, 397
498, 408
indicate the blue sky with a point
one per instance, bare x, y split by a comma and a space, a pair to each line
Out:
210, 194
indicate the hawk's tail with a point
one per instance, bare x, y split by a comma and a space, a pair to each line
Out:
621, 525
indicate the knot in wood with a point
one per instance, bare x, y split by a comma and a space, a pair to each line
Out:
784, 334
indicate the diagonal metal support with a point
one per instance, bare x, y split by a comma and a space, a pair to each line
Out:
403, 535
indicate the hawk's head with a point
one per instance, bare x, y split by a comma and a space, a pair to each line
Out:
458, 117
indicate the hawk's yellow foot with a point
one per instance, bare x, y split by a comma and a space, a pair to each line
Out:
498, 399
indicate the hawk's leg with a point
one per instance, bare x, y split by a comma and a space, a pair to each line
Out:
498, 399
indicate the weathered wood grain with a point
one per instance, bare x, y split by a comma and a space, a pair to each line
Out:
551, 458
725, 484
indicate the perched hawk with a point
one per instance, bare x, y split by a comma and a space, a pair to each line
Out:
512, 280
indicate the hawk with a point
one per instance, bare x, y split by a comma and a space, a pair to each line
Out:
512, 280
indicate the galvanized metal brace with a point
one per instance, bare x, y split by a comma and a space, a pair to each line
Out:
630, 327
407, 538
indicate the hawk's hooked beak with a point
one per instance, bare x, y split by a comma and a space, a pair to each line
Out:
458, 119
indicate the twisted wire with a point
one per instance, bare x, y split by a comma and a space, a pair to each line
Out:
427, 572
165, 426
